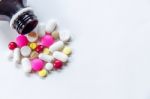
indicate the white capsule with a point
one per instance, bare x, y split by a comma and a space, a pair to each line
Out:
41, 29
26, 65
49, 66
64, 35
45, 57
10, 54
51, 26
60, 56
25, 51
56, 46
16, 56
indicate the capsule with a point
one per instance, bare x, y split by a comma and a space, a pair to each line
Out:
16, 55
51, 26
60, 56
45, 57
56, 46
26, 65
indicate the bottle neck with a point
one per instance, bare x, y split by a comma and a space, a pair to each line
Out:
24, 21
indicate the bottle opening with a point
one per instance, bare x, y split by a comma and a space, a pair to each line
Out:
29, 27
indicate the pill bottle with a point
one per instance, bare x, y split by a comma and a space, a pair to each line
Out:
20, 16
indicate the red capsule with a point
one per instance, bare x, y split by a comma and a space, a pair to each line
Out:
39, 48
57, 64
12, 45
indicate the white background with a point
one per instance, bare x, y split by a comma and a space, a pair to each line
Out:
111, 52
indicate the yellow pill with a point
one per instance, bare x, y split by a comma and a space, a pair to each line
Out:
33, 45
43, 73
46, 51
67, 50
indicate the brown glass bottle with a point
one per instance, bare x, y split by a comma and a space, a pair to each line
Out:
21, 17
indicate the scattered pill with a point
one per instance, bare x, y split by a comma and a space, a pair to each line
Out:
57, 64
42, 50
41, 29
39, 48
60, 56
21, 40
45, 57
55, 34
67, 50
49, 66
64, 35
46, 51
12, 45
37, 64
32, 37
26, 65
56, 46
33, 45
51, 26
34, 54
25, 51
16, 56
43, 73
47, 40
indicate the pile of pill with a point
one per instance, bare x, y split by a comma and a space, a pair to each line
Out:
42, 51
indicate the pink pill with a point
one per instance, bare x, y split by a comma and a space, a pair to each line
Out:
47, 40
37, 64
21, 40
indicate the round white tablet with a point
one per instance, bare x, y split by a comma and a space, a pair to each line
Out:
25, 51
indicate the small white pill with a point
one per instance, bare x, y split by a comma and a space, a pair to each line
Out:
41, 29
26, 65
10, 54
51, 26
16, 56
49, 66
56, 46
60, 56
25, 51
45, 57
64, 35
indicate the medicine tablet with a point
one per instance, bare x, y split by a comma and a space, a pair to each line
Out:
41, 29
49, 66
25, 51
32, 37
33, 45
22, 40
46, 51
67, 50
56, 46
50, 26
16, 56
37, 64
45, 57
64, 35
43, 73
26, 65
60, 56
